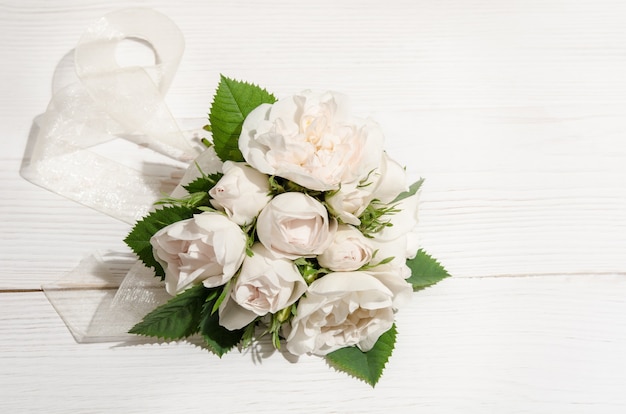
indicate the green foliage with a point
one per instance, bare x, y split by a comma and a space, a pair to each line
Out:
279, 185
176, 319
196, 310
373, 218
217, 301
413, 188
203, 184
366, 366
198, 191
191, 200
232, 103
276, 323
187, 313
204, 141
373, 264
310, 269
139, 237
248, 335
425, 270
219, 339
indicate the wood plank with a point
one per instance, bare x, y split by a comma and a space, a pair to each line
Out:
513, 113
522, 190
526, 191
399, 54
540, 344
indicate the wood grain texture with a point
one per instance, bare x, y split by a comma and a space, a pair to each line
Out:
397, 55
469, 345
513, 111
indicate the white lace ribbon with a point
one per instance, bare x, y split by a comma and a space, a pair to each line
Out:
106, 102
105, 296
109, 102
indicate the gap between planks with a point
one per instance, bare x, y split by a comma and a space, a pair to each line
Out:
500, 276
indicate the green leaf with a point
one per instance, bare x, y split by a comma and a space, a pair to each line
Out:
219, 339
367, 366
203, 184
375, 218
193, 200
413, 188
425, 270
176, 319
139, 237
233, 101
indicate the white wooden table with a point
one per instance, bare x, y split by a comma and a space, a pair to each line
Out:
515, 112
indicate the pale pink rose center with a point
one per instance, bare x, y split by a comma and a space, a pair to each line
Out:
257, 295
353, 252
347, 323
195, 255
300, 232
321, 150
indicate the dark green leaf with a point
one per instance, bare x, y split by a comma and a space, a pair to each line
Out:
233, 101
203, 184
413, 188
139, 237
367, 366
425, 270
219, 339
176, 319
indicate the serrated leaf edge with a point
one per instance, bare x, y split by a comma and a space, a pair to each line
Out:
417, 288
370, 380
140, 327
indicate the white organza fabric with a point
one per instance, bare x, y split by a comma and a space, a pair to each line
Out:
101, 104
108, 102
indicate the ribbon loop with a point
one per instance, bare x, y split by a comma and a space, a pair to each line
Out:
133, 95
106, 103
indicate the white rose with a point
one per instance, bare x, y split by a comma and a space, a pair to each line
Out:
339, 310
393, 276
396, 248
242, 192
311, 140
349, 202
295, 225
348, 251
402, 222
207, 248
400, 240
264, 285
383, 184
389, 180
412, 243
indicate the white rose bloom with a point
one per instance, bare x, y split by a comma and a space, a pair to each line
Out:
207, 248
396, 248
349, 202
393, 276
295, 225
339, 310
383, 184
311, 140
401, 239
264, 285
348, 251
412, 243
242, 192
389, 180
403, 222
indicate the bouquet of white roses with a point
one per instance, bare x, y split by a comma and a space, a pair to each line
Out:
303, 230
